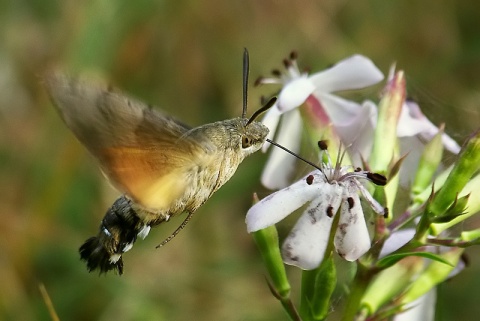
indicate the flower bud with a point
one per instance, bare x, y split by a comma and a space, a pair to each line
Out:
268, 244
428, 164
467, 164
389, 110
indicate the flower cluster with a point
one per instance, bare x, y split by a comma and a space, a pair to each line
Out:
299, 87
353, 122
328, 190
392, 139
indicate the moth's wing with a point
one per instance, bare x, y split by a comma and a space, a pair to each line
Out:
143, 152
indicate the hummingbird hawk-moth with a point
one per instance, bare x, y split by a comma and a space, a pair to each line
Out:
162, 167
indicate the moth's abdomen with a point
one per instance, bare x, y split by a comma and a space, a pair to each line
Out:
119, 229
97, 257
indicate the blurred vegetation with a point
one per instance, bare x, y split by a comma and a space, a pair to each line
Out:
185, 56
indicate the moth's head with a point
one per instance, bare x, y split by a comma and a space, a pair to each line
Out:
252, 137
253, 134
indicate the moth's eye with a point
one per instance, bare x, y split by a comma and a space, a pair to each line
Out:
246, 142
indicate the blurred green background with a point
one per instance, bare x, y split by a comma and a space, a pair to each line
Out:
185, 56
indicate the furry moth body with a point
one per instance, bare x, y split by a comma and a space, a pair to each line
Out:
162, 167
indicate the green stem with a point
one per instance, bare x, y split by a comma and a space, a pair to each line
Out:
291, 309
357, 290
286, 302
453, 242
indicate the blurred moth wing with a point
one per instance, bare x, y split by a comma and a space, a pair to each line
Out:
143, 153
162, 166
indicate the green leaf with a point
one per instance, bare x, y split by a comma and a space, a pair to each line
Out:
432, 276
391, 259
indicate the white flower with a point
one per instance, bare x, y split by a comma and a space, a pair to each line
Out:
330, 191
352, 73
396, 240
414, 129
413, 122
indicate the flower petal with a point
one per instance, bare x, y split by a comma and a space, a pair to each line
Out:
294, 94
413, 146
278, 205
339, 110
306, 244
414, 122
352, 73
271, 120
396, 241
358, 132
450, 144
280, 165
409, 125
351, 238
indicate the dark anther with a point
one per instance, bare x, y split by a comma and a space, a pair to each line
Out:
293, 55
287, 63
385, 213
358, 169
323, 144
276, 73
258, 81
377, 179
310, 179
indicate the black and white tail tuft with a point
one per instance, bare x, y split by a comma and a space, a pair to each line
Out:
118, 231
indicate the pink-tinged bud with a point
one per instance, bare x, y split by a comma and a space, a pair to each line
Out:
388, 115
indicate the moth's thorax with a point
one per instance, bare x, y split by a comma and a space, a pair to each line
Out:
228, 134
222, 142
227, 137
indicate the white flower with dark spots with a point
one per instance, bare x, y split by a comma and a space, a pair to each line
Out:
330, 191
354, 72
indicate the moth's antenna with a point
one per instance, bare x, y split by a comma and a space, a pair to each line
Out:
184, 223
264, 108
246, 67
